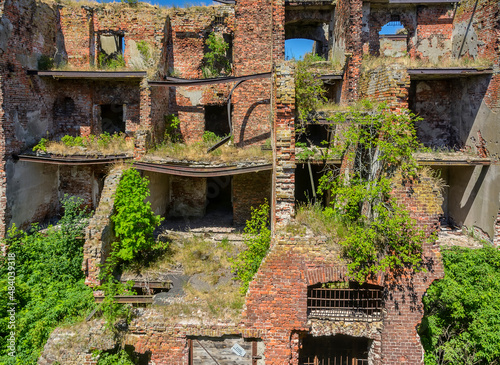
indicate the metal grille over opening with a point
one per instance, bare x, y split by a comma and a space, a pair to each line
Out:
345, 301
334, 350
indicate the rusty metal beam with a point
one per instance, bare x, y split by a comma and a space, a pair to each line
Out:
200, 171
457, 162
425, 73
121, 75
129, 299
71, 160
167, 284
174, 81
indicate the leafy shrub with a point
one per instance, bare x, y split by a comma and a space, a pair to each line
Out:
210, 137
462, 323
50, 287
112, 62
215, 62
380, 234
45, 63
41, 146
134, 219
257, 239
120, 358
71, 141
172, 132
309, 88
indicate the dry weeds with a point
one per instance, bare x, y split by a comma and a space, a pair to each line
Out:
197, 152
116, 146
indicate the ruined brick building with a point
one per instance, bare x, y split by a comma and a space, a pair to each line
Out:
459, 106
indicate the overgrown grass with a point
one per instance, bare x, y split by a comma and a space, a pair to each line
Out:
104, 144
372, 62
315, 217
209, 261
197, 151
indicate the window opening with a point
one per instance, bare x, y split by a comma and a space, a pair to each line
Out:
296, 48
216, 120
219, 194
304, 192
111, 48
334, 350
112, 120
347, 301
393, 38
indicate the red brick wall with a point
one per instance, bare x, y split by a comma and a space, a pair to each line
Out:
77, 25
484, 24
250, 190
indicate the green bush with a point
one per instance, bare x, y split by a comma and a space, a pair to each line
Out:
257, 239
210, 137
112, 62
215, 62
309, 88
41, 146
462, 311
120, 358
380, 235
45, 63
50, 285
172, 132
134, 220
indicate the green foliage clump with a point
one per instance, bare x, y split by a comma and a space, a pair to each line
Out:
134, 220
172, 131
45, 63
257, 240
41, 146
50, 286
210, 137
215, 61
309, 88
377, 146
120, 358
462, 322
112, 62
143, 48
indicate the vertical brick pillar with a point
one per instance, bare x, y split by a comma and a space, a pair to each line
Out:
144, 135
278, 31
284, 144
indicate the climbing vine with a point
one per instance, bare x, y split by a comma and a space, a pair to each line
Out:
309, 88
376, 146
257, 239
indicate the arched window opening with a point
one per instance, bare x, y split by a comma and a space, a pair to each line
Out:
393, 39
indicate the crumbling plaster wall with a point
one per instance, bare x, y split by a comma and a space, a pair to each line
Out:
457, 114
481, 39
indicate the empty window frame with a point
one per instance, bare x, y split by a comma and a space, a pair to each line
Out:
111, 48
216, 120
112, 120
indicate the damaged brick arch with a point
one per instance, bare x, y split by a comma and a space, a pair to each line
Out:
380, 17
